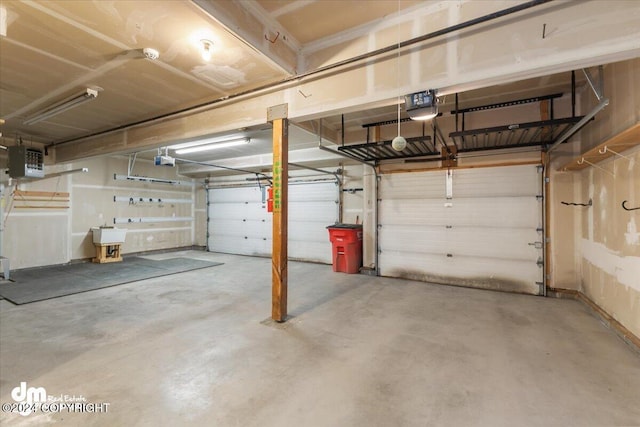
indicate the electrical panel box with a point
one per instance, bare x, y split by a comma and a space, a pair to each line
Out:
25, 162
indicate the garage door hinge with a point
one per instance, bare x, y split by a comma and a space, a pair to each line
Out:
449, 226
539, 229
540, 262
539, 197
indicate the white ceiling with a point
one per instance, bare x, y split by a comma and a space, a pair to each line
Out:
54, 49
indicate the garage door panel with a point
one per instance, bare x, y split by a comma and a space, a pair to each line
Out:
226, 227
509, 211
312, 211
236, 195
253, 211
411, 186
254, 228
508, 275
491, 242
250, 246
239, 222
496, 182
313, 192
500, 243
408, 239
485, 233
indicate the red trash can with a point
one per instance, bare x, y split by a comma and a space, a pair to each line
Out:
346, 240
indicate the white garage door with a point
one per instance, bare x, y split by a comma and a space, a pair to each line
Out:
240, 224
488, 234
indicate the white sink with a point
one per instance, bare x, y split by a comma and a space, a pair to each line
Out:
107, 236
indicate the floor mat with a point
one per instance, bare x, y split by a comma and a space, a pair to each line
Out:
53, 282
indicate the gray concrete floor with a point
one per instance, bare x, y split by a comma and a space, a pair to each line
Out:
193, 349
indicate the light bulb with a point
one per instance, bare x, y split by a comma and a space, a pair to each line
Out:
399, 143
206, 49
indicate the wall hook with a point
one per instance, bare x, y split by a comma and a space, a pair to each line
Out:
590, 203
607, 149
583, 161
628, 209
274, 39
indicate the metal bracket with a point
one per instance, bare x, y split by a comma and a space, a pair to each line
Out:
596, 86
598, 89
277, 112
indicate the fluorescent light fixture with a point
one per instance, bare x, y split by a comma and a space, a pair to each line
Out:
422, 105
205, 141
214, 146
63, 106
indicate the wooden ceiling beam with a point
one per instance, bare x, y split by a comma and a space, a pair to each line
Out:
251, 24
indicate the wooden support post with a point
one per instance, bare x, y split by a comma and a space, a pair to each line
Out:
278, 116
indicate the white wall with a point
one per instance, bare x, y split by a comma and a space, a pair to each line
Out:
607, 243
44, 236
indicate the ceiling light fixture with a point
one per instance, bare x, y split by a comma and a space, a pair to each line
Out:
422, 105
214, 146
206, 48
151, 53
67, 104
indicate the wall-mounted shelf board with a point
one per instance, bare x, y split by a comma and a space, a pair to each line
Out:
45, 194
626, 139
40, 199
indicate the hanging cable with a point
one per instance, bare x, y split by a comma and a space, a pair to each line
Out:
398, 143
257, 174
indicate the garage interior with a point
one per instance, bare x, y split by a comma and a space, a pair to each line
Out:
500, 269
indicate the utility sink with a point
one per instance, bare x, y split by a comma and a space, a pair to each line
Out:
108, 235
